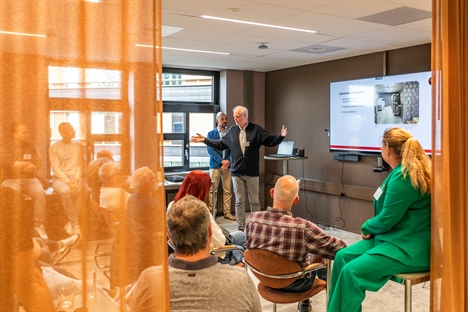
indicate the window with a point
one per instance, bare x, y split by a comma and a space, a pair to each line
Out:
190, 100
98, 127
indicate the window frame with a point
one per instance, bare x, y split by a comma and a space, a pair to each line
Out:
190, 107
86, 106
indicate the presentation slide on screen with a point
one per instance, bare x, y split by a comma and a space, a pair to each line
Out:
361, 110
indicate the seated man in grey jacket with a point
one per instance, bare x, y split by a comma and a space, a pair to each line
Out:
196, 280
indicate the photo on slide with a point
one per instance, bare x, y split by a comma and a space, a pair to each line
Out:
396, 103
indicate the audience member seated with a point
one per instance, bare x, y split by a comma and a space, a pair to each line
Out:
93, 180
53, 252
197, 281
296, 239
20, 279
105, 154
53, 275
113, 196
198, 184
19, 164
398, 238
113, 200
66, 161
143, 225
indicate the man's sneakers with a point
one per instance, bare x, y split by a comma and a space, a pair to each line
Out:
304, 306
41, 231
229, 217
65, 248
71, 230
70, 241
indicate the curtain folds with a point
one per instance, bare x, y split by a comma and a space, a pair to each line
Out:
107, 87
449, 250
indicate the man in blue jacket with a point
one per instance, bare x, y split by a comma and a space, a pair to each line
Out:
219, 167
244, 140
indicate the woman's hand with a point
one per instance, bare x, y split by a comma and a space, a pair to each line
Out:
368, 236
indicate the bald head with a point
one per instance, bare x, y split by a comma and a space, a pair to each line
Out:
286, 192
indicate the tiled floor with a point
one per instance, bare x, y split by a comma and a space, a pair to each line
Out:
389, 298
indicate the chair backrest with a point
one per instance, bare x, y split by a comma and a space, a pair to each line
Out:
272, 265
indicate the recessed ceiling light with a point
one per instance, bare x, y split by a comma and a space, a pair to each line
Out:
234, 9
180, 49
317, 49
256, 24
21, 34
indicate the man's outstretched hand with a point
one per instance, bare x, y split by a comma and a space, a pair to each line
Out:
198, 138
284, 131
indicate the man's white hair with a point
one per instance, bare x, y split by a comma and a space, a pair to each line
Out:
242, 109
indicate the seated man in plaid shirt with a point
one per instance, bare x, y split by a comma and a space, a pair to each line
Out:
276, 230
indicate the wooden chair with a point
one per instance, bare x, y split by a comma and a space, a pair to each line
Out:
275, 271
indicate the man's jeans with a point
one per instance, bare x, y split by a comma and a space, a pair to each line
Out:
33, 188
240, 183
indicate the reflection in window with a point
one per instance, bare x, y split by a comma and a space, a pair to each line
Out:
71, 82
173, 153
187, 88
199, 123
173, 122
106, 123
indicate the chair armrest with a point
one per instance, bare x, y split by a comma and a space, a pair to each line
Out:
314, 267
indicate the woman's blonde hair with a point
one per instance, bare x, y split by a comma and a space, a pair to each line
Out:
414, 161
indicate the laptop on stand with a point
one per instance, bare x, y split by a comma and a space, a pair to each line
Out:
285, 150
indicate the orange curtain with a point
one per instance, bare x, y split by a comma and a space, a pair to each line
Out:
104, 35
449, 252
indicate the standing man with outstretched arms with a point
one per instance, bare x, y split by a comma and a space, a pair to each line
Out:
244, 140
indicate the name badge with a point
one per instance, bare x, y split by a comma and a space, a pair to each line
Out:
247, 143
26, 156
378, 193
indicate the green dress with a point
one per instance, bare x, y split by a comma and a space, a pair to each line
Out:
401, 230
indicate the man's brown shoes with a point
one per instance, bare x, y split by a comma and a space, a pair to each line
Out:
229, 217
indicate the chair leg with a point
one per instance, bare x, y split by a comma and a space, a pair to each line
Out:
327, 290
408, 295
274, 307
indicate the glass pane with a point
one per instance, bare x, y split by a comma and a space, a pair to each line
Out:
200, 123
174, 123
173, 153
187, 88
106, 123
69, 82
57, 117
112, 146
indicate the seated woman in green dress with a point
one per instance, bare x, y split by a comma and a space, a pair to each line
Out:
397, 239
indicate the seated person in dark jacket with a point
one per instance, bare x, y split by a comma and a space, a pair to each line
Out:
145, 217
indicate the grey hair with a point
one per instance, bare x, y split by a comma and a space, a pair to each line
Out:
243, 110
107, 170
187, 223
141, 176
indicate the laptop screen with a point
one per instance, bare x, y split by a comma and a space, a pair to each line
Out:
286, 148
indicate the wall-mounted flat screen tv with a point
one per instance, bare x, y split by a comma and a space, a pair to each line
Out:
360, 111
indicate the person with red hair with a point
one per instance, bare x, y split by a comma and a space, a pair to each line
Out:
198, 183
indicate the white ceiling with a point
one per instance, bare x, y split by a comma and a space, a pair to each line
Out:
336, 23
342, 25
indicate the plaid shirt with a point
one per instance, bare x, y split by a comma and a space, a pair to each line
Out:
278, 231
